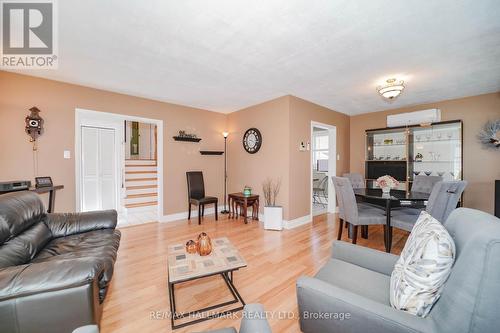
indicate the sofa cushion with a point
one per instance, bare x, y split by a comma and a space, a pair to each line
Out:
102, 244
423, 267
22, 249
356, 279
18, 212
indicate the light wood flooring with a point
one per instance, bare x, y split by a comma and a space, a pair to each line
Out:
275, 261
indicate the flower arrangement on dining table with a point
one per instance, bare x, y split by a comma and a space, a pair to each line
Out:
386, 183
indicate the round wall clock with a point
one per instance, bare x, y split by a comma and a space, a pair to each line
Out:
252, 140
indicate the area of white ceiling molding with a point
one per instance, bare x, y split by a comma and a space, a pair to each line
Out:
227, 55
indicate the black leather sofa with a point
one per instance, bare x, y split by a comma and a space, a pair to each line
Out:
54, 268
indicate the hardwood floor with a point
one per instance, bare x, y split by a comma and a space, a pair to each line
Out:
275, 261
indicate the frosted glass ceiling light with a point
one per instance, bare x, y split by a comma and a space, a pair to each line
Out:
391, 89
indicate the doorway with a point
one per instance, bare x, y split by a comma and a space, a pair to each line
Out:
113, 174
323, 167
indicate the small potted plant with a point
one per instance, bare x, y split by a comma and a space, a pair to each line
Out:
386, 183
273, 215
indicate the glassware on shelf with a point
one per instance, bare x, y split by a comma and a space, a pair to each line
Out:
449, 135
428, 136
416, 173
428, 173
441, 173
439, 136
418, 138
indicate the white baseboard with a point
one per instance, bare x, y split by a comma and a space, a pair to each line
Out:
184, 215
297, 222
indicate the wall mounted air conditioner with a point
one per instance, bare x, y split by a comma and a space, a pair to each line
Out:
414, 118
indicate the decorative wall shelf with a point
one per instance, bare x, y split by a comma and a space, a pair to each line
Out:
211, 152
186, 139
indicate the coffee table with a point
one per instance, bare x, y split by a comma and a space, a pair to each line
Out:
183, 267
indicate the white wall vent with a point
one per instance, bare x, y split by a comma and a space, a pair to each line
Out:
414, 118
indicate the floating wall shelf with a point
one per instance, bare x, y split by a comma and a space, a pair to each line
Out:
186, 139
211, 152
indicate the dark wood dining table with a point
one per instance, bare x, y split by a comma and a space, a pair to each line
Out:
389, 201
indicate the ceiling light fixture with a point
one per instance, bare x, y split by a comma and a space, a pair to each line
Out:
391, 89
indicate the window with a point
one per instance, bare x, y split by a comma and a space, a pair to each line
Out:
320, 150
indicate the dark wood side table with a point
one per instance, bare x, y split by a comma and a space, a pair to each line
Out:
245, 202
51, 190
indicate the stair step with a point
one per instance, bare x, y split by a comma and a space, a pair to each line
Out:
142, 204
140, 165
140, 179
141, 187
141, 195
141, 162
138, 172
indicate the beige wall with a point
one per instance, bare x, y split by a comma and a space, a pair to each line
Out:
284, 123
302, 113
271, 118
58, 101
481, 167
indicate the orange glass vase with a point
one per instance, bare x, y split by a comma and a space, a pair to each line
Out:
191, 247
204, 244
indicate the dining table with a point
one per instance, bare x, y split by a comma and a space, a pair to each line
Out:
388, 201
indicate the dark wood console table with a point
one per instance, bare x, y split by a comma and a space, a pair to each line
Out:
51, 190
236, 199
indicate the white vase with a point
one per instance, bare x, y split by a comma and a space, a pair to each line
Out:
386, 189
273, 217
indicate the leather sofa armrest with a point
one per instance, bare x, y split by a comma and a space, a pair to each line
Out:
65, 224
35, 278
371, 259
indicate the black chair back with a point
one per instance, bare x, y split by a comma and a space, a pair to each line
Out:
196, 186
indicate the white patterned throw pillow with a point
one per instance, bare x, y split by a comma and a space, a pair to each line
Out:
423, 267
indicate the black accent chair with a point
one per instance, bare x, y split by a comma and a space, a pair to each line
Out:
196, 194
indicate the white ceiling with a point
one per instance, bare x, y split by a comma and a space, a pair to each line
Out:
223, 55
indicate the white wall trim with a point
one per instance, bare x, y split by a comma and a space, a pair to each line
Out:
184, 215
83, 116
297, 222
332, 164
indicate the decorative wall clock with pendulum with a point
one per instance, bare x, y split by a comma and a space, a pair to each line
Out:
34, 125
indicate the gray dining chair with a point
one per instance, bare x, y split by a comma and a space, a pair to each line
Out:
442, 201
354, 213
357, 180
422, 184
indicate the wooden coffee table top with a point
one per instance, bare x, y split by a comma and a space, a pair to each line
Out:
183, 266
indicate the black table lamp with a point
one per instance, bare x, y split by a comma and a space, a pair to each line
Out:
225, 135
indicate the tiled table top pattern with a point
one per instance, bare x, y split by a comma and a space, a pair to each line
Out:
184, 266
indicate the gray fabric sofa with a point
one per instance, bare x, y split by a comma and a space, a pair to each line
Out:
253, 321
54, 268
351, 292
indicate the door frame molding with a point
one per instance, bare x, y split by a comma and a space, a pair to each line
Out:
332, 164
86, 117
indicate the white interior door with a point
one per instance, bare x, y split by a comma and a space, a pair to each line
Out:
98, 168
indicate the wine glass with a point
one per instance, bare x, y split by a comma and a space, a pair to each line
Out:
428, 173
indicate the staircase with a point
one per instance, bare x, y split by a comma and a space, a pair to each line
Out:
141, 183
